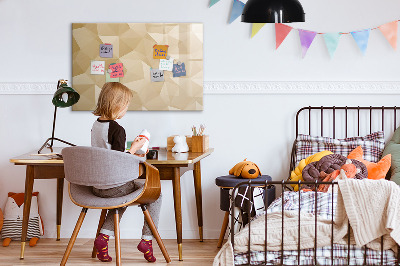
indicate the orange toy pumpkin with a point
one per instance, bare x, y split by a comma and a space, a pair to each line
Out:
245, 169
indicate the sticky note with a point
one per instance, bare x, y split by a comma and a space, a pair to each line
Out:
179, 70
160, 51
97, 67
166, 64
156, 75
106, 50
117, 70
110, 79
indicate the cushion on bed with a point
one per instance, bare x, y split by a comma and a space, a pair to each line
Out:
393, 148
375, 170
372, 144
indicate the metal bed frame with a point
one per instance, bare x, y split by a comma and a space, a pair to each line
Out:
283, 184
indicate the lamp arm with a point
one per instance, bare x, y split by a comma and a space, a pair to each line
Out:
54, 126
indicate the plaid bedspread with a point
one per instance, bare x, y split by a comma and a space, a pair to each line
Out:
307, 202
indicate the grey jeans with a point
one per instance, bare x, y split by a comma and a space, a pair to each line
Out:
154, 208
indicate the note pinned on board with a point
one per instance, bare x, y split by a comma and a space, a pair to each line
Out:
179, 70
106, 50
160, 51
97, 67
110, 79
117, 70
156, 75
166, 64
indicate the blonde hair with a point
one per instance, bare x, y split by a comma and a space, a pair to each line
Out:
113, 97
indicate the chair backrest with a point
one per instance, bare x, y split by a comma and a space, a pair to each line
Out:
92, 166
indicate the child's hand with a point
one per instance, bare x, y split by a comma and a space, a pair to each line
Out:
143, 155
137, 144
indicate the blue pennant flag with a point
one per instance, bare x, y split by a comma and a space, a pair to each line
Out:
332, 41
361, 38
237, 9
213, 2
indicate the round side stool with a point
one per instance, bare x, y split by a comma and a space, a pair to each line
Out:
226, 183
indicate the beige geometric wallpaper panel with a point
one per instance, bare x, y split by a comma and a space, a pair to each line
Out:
133, 46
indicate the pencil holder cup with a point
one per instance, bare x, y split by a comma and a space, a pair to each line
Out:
200, 143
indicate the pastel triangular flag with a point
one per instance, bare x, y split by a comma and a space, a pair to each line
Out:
281, 31
256, 27
390, 32
237, 9
361, 37
306, 39
332, 41
213, 2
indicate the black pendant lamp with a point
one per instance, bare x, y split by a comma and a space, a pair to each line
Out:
273, 11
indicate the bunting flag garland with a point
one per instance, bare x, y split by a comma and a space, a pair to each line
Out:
332, 41
306, 39
281, 31
361, 37
389, 30
213, 2
256, 27
237, 9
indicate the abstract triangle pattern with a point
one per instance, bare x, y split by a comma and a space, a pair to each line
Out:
332, 41
389, 30
361, 38
256, 27
281, 31
306, 39
237, 9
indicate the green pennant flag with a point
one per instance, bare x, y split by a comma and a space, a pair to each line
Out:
213, 2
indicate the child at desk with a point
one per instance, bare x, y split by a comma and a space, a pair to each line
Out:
106, 133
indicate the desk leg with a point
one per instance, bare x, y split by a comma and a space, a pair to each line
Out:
176, 182
199, 204
27, 206
60, 190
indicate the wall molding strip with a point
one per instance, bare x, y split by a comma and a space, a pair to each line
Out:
244, 87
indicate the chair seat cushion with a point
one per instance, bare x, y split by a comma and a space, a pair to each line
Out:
83, 196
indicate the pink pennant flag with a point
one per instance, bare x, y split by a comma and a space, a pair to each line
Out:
306, 39
389, 30
281, 31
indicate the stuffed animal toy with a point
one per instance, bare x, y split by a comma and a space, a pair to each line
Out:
13, 215
245, 169
180, 144
1, 220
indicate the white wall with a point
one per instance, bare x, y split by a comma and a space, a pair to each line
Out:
35, 43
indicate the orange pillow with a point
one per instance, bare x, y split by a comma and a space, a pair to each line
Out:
375, 170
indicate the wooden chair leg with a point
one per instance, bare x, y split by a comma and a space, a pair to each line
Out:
223, 229
101, 222
154, 230
117, 238
73, 237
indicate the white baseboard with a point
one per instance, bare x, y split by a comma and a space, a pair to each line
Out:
247, 87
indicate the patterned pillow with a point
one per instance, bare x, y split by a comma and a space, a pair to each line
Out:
372, 144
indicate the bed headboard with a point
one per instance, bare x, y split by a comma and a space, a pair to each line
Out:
344, 121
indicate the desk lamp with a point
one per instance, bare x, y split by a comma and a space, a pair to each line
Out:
64, 97
273, 11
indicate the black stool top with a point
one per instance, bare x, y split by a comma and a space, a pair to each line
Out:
230, 181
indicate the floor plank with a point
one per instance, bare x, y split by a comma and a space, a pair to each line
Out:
50, 252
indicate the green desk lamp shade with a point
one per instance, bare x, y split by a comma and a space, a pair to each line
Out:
64, 97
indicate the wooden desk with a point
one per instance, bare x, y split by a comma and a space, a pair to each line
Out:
171, 167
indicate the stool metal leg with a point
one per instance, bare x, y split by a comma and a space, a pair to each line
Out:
223, 229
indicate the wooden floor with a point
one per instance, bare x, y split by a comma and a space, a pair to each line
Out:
50, 252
